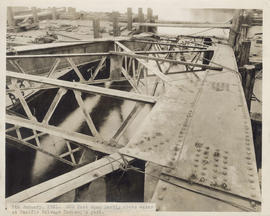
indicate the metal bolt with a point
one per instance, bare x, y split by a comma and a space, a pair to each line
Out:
251, 181
158, 133
164, 187
160, 197
253, 204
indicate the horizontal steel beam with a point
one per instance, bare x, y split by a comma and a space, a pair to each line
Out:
62, 184
186, 25
166, 60
22, 142
170, 44
98, 54
57, 55
84, 88
82, 139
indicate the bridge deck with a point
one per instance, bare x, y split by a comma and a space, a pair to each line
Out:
203, 134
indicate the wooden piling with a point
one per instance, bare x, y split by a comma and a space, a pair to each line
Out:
10, 17
244, 51
54, 15
129, 18
115, 19
35, 15
234, 31
249, 71
96, 27
141, 19
149, 18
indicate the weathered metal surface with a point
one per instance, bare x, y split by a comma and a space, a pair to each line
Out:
186, 197
218, 150
170, 115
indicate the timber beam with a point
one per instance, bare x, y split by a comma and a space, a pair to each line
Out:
84, 88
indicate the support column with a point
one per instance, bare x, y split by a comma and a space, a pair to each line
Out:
149, 18
115, 67
249, 71
244, 52
35, 15
234, 31
141, 18
54, 15
116, 30
129, 19
10, 17
96, 27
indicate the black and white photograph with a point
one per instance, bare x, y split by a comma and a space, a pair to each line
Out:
130, 102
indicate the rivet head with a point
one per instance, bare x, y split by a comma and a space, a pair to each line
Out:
95, 175
164, 187
251, 181
253, 204
160, 197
